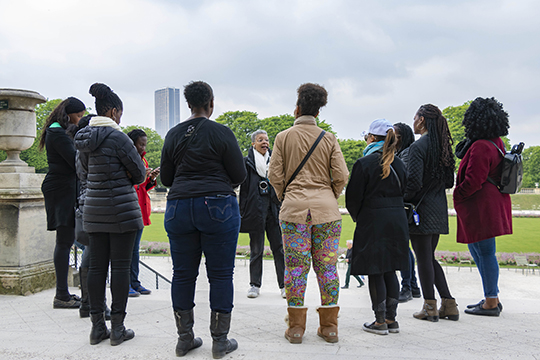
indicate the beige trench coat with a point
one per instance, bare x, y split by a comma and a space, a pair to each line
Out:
320, 182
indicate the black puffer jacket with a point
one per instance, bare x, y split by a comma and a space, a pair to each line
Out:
253, 206
433, 209
105, 157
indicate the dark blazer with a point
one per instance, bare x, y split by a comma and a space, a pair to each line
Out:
106, 156
253, 206
381, 237
433, 210
482, 210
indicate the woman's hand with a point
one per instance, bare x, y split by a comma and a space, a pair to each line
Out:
154, 173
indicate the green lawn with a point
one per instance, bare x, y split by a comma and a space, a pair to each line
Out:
526, 237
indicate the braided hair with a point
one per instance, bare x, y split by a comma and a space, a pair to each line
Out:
485, 119
106, 99
135, 134
407, 136
440, 159
311, 97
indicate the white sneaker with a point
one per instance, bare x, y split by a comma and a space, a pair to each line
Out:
253, 292
283, 293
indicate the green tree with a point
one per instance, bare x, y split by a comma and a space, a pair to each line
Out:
352, 150
531, 166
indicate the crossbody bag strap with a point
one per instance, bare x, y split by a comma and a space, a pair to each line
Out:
304, 160
188, 138
397, 177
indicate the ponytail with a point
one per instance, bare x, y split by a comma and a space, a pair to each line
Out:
389, 148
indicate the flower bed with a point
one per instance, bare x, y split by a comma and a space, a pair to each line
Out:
457, 257
158, 248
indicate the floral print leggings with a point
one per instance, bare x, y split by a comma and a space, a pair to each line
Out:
302, 243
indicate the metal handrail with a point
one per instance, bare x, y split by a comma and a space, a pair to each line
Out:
158, 275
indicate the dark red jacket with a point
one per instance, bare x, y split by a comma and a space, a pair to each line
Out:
142, 193
482, 210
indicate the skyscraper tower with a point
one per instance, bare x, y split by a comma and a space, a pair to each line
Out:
167, 106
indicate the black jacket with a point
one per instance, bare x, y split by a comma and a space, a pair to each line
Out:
105, 157
60, 185
381, 237
253, 206
433, 209
212, 165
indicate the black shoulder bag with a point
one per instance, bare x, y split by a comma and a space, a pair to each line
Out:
304, 160
410, 208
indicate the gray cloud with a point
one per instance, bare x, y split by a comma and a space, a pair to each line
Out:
377, 59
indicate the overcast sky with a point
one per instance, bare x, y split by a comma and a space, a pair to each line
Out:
376, 58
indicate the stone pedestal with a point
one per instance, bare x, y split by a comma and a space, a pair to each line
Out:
26, 247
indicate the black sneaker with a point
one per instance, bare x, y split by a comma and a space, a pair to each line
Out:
376, 329
405, 295
345, 287
481, 302
416, 293
72, 303
393, 327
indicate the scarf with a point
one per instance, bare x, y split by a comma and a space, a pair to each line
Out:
261, 163
462, 147
374, 146
104, 121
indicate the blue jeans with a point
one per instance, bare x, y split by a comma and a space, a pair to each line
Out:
408, 277
134, 273
483, 253
208, 225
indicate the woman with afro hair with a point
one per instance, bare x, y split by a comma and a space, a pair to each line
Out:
430, 170
202, 164
483, 212
310, 218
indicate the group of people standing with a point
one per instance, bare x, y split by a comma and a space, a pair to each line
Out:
291, 195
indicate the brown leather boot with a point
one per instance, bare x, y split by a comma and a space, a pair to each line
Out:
328, 320
296, 320
429, 311
448, 309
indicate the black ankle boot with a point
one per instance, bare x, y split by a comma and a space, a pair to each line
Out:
186, 338
219, 328
119, 333
99, 330
84, 310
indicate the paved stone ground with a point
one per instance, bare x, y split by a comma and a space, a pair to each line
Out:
31, 329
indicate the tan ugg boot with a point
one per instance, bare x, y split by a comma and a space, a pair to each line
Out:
296, 321
429, 311
328, 320
449, 309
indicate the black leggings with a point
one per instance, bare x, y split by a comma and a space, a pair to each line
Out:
65, 236
381, 287
430, 271
118, 248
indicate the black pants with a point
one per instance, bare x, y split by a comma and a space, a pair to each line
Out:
116, 248
65, 236
348, 276
384, 291
256, 245
430, 271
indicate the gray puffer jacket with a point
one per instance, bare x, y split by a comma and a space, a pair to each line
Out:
106, 156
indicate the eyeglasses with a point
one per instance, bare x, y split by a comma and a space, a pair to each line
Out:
262, 140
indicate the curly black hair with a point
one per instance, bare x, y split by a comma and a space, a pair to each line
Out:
311, 97
440, 158
485, 119
106, 99
198, 94
406, 134
135, 134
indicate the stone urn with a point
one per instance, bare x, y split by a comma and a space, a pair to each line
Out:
17, 126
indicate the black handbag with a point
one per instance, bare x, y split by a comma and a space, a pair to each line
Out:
410, 208
80, 235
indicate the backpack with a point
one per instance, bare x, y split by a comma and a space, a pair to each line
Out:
511, 169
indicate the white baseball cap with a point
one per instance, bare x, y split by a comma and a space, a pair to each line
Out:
379, 127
